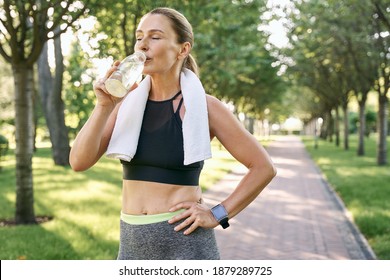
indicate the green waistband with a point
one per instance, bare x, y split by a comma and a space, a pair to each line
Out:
148, 219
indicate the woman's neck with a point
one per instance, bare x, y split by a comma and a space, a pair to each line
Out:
164, 87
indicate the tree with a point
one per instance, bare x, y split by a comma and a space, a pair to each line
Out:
367, 48
381, 24
50, 89
341, 37
25, 26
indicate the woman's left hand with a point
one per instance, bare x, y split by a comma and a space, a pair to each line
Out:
195, 215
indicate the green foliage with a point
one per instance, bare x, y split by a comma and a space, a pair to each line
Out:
78, 87
234, 63
229, 48
3, 140
363, 186
371, 117
3, 147
6, 93
26, 26
334, 49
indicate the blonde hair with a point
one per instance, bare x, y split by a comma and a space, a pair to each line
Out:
183, 30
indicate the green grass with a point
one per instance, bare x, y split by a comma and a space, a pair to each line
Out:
85, 207
363, 186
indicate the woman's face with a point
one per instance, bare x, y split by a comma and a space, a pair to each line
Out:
158, 40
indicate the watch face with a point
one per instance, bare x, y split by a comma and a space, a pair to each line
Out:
219, 212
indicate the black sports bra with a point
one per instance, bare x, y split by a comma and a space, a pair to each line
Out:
160, 154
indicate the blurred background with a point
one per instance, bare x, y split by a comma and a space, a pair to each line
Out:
314, 68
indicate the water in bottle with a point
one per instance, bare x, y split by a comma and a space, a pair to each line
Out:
128, 72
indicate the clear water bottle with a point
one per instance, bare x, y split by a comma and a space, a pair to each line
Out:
128, 72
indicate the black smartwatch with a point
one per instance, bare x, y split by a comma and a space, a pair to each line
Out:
221, 215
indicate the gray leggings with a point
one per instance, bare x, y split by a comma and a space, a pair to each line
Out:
158, 241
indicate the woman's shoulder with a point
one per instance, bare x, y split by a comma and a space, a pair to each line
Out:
212, 101
217, 110
216, 105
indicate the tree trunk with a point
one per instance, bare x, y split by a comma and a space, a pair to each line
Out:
53, 105
346, 127
330, 126
382, 127
337, 126
24, 124
323, 133
251, 125
362, 128
36, 113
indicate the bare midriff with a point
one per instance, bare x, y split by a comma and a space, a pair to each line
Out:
148, 198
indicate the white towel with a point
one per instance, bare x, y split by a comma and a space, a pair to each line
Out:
196, 135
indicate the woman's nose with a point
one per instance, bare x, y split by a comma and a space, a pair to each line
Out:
142, 45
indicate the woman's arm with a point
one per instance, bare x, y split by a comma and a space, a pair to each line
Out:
92, 140
244, 148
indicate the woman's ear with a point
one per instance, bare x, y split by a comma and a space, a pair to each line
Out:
185, 50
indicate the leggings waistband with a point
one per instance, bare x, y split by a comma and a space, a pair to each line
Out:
148, 219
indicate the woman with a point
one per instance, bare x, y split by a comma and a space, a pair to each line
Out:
163, 215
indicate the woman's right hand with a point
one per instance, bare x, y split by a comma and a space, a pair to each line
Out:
104, 98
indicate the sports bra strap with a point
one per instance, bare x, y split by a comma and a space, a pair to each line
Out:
179, 106
176, 95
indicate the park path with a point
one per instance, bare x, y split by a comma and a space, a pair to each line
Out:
297, 217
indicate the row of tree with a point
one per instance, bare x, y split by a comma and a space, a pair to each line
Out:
339, 49
235, 65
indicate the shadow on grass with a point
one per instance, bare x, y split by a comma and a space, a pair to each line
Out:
33, 242
85, 207
56, 240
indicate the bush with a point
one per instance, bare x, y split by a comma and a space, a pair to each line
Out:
3, 147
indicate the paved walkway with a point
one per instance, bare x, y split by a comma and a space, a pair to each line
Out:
297, 217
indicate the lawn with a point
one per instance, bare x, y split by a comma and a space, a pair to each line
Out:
363, 186
85, 208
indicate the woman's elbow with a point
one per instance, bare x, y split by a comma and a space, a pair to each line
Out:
266, 169
76, 164
269, 171
273, 171
77, 168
